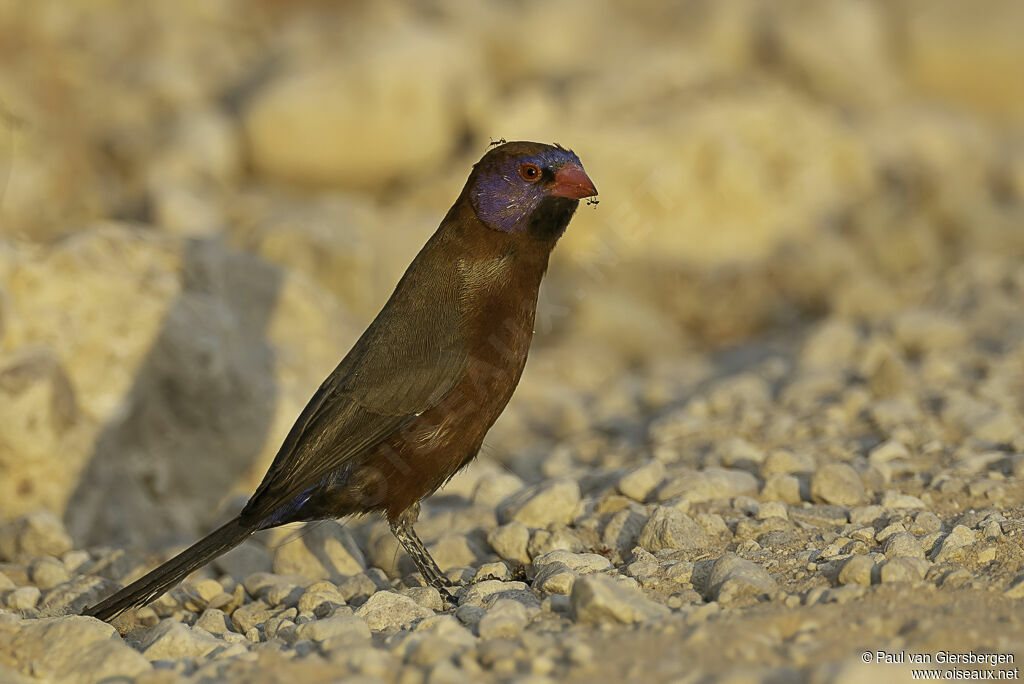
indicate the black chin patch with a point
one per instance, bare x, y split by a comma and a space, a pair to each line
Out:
549, 220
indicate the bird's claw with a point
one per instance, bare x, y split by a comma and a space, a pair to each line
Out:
447, 597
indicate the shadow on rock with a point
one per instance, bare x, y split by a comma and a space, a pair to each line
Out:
198, 411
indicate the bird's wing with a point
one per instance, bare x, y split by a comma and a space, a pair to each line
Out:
406, 362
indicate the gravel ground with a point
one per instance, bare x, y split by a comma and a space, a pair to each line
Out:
774, 415
765, 514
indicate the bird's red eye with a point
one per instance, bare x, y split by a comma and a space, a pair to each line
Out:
529, 172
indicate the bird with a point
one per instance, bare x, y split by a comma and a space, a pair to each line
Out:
410, 403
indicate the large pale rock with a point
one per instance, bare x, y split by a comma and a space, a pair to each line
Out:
346, 120
72, 649
543, 504
708, 484
950, 43
386, 610
839, 49
670, 528
355, 248
720, 162
733, 578
837, 483
36, 534
599, 599
194, 383
173, 640
42, 422
321, 550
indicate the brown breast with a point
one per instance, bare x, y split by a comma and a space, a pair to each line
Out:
498, 287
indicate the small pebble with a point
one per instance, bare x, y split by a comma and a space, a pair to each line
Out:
598, 599
837, 483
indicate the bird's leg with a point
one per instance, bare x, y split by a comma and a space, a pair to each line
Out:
402, 528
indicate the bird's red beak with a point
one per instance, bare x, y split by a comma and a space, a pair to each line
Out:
572, 182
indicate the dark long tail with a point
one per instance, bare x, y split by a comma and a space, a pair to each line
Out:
143, 590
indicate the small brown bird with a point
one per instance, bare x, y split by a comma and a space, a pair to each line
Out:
411, 402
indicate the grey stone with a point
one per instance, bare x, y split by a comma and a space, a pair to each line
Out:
275, 589
640, 482
428, 597
772, 509
22, 598
281, 625
889, 530
842, 594
493, 488
496, 570
205, 589
893, 500
249, 616
214, 621
708, 485
386, 610
470, 614
890, 450
321, 599
510, 541
955, 542
866, 515
975, 418
713, 525
733, 578
992, 530
505, 619
488, 591
245, 560
1016, 588
356, 125
173, 640
623, 530
323, 550
447, 626
47, 572
738, 452
782, 487
599, 599
903, 544
453, 550
338, 627
74, 649
680, 572
837, 483
670, 528
355, 587
543, 504
644, 566
785, 462
885, 370
902, 569
857, 570
831, 343
120, 565
425, 649
555, 578
920, 330
36, 534
581, 563
76, 594
557, 538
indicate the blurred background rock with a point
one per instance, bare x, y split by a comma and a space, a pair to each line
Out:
202, 203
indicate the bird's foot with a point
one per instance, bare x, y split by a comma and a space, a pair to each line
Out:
444, 587
447, 597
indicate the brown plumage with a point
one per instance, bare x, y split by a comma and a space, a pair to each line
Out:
410, 404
